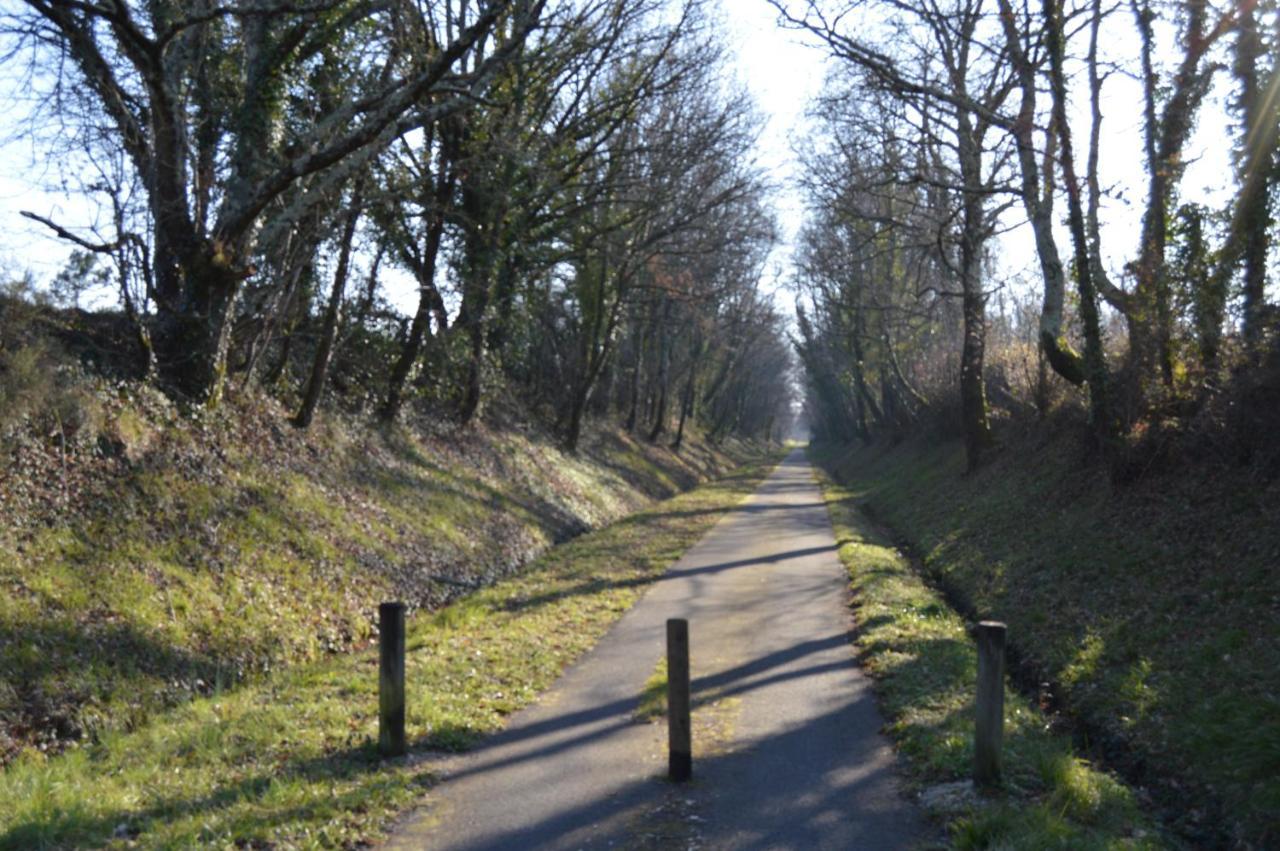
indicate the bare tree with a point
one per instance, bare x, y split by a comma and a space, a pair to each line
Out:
956, 82
205, 147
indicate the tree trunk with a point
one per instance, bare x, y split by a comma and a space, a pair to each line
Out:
633, 410
277, 308
867, 401
1037, 200
481, 212
664, 368
690, 393
577, 409
324, 353
195, 338
1258, 172
361, 314
429, 303
1151, 318
686, 407
973, 392
1095, 365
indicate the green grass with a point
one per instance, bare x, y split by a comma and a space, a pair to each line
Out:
653, 697
288, 762
925, 666
1151, 608
224, 548
713, 718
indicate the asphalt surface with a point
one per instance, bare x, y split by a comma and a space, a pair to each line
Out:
787, 751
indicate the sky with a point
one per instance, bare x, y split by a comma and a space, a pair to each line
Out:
783, 74
783, 71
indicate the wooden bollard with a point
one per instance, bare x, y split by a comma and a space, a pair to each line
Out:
679, 734
391, 740
989, 724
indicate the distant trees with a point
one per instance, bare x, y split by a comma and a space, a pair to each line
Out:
987, 102
565, 185
877, 264
947, 84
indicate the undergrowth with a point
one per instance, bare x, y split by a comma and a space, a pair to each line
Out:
289, 761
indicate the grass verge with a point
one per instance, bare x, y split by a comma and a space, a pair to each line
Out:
290, 762
1151, 611
653, 697
713, 715
925, 666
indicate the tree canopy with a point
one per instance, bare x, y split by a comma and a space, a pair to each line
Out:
569, 186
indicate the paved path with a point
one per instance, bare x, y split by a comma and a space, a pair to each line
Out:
787, 749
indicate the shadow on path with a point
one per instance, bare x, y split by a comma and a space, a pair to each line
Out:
803, 811
620, 713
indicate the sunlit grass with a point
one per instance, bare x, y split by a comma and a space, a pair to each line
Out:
1150, 608
925, 666
289, 762
653, 696
213, 559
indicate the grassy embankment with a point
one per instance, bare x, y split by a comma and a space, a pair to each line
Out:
159, 555
1149, 611
287, 761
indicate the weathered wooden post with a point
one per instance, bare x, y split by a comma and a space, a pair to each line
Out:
679, 738
391, 740
989, 724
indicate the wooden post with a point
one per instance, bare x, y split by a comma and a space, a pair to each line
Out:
989, 724
391, 740
679, 739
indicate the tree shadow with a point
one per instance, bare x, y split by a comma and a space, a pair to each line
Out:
52, 667
596, 585
793, 790
620, 714
557, 520
76, 828
609, 445
747, 508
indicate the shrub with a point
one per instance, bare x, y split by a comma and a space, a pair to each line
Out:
41, 388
